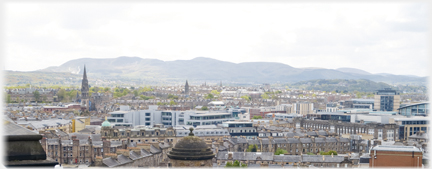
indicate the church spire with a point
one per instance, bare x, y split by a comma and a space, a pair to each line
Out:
187, 88
85, 74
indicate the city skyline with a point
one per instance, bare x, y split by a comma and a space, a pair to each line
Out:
375, 37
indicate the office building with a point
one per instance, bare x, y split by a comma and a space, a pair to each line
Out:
417, 109
387, 100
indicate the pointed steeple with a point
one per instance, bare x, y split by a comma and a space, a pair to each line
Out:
187, 88
84, 86
85, 74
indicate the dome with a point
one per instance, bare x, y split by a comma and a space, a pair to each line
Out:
106, 123
191, 148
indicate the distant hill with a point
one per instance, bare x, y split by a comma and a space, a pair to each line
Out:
361, 85
202, 68
37, 78
352, 70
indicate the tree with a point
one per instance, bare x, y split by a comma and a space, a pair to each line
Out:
209, 96
204, 108
170, 96
264, 96
248, 98
252, 148
229, 164
256, 117
280, 151
135, 93
36, 95
61, 94
107, 89
235, 164
172, 102
8, 98
215, 92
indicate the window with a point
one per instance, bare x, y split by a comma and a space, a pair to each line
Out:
147, 114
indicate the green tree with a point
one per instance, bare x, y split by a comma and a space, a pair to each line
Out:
280, 151
252, 148
170, 96
248, 98
8, 98
209, 96
256, 117
215, 92
61, 94
36, 95
204, 108
229, 164
265, 96
172, 102
135, 93
107, 89
236, 163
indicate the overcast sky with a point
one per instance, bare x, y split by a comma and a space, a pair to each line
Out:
375, 37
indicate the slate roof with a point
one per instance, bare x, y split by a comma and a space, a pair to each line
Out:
12, 129
345, 140
319, 140
319, 159
305, 140
331, 140
279, 141
134, 156
312, 133
287, 158
123, 159
253, 141
265, 156
293, 140
154, 150
110, 162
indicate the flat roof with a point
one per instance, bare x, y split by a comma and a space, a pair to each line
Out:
396, 148
118, 112
210, 114
411, 119
236, 122
413, 105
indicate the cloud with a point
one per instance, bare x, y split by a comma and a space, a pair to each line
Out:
358, 35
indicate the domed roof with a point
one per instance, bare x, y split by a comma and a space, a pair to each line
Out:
191, 148
191, 142
106, 123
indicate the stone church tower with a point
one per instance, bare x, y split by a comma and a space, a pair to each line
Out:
85, 91
186, 88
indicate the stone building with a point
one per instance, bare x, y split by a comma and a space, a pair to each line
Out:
267, 159
294, 146
377, 130
27, 95
191, 151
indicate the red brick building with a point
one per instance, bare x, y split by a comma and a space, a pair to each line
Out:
395, 156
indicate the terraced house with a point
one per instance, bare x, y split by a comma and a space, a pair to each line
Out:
294, 146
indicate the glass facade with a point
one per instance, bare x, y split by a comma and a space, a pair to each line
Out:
415, 110
387, 103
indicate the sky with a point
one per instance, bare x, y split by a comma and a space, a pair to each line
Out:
375, 37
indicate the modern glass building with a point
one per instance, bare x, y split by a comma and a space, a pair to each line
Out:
386, 100
418, 109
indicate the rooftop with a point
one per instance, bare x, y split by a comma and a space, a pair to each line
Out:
396, 148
